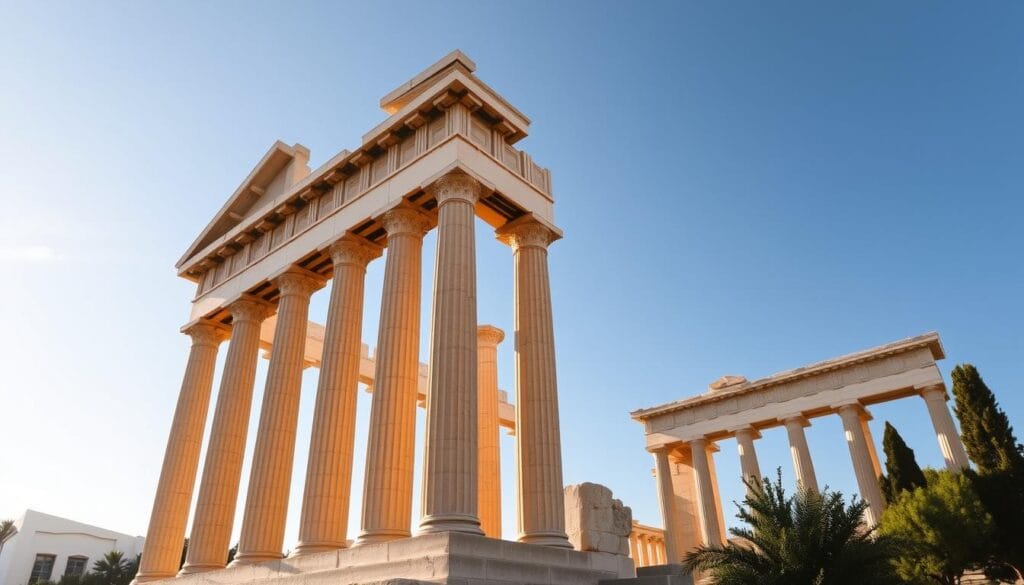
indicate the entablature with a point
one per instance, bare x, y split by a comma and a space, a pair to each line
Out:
896, 370
447, 120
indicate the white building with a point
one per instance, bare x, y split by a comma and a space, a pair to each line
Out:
47, 547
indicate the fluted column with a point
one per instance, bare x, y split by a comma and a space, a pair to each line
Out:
542, 504
802, 463
450, 460
489, 438
707, 507
945, 430
634, 546
266, 502
667, 496
325, 501
867, 481
387, 491
166, 534
222, 471
749, 468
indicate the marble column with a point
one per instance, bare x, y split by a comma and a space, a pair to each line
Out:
450, 459
387, 482
489, 438
667, 496
266, 501
945, 430
802, 464
222, 471
325, 501
645, 551
707, 507
749, 468
162, 552
867, 481
876, 464
542, 504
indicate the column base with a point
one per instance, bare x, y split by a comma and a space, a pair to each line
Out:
555, 539
378, 536
464, 523
306, 549
243, 559
149, 577
193, 569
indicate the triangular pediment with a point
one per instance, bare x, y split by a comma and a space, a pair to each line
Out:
280, 168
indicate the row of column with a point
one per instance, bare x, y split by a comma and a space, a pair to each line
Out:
866, 465
647, 549
460, 491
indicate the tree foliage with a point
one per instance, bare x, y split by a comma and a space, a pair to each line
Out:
985, 428
999, 479
902, 473
809, 538
942, 528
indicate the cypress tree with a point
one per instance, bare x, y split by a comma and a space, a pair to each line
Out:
902, 471
986, 431
999, 479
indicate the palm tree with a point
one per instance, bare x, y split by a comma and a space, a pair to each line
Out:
113, 568
808, 538
7, 530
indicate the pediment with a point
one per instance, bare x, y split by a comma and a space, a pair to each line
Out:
280, 168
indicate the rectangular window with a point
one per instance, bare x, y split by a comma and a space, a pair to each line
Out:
76, 566
42, 569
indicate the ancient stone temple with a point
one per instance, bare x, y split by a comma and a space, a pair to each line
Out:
444, 157
682, 435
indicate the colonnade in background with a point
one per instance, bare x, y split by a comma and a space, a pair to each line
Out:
460, 475
647, 545
688, 491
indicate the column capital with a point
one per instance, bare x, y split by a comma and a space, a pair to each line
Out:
353, 250
796, 419
249, 308
455, 186
934, 393
299, 281
853, 407
746, 430
489, 335
405, 220
527, 232
206, 332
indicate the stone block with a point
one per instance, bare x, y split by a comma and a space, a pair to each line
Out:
595, 521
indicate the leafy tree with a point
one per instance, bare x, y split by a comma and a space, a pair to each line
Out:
999, 479
7, 530
808, 538
942, 527
902, 471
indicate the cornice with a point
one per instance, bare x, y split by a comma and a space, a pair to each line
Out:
929, 340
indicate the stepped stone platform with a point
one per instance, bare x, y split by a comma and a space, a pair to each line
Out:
449, 558
670, 574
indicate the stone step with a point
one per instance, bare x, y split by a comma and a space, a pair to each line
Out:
652, 580
653, 570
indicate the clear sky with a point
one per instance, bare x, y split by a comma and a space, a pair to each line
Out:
745, 187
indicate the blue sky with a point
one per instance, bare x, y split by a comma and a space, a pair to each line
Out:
744, 188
